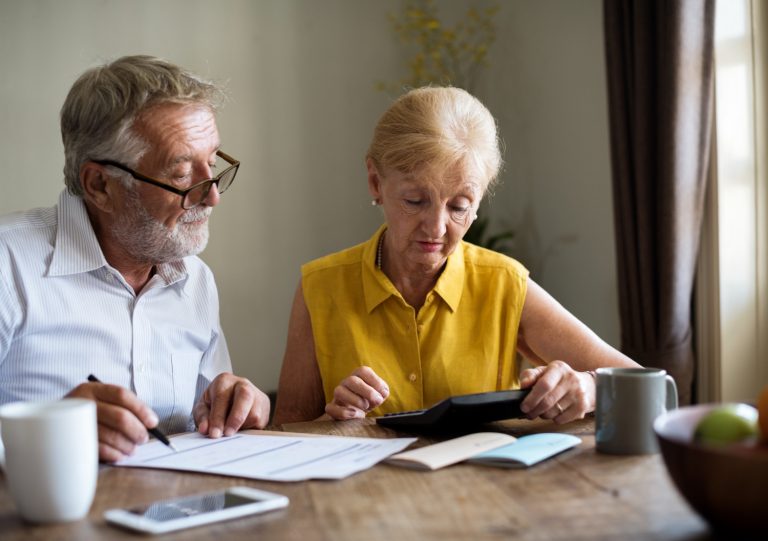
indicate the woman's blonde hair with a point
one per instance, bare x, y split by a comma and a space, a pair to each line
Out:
438, 128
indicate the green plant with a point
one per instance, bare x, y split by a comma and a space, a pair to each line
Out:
449, 55
478, 234
443, 53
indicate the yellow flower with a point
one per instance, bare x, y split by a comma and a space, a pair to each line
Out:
444, 54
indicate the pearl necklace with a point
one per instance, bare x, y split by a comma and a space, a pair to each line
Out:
379, 250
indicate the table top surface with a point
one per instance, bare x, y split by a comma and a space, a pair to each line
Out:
580, 494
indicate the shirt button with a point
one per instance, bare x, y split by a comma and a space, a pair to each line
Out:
419, 328
412, 377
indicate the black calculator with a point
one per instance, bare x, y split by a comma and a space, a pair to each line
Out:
459, 413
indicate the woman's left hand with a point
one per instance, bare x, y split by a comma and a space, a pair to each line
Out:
558, 392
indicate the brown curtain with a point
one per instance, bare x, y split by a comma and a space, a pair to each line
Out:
659, 56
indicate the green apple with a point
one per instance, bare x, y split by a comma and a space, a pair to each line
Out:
728, 423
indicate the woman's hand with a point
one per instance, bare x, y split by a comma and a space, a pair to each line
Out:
558, 392
357, 394
548, 332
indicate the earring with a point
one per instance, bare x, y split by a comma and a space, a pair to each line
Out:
374, 202
474, 216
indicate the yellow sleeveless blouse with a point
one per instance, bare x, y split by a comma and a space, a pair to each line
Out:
463, 340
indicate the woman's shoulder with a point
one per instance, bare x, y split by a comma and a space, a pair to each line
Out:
477, 257
343, 258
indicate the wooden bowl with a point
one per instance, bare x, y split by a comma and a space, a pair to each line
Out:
727, 485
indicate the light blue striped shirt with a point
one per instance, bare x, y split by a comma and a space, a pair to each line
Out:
66, 313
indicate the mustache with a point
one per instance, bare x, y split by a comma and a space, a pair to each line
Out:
195, 215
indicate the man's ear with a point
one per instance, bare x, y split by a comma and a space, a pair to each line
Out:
96, 189
374, 180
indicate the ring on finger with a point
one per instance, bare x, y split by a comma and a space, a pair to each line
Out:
559, 407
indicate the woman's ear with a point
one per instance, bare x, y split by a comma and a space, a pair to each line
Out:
374, 180
96, 190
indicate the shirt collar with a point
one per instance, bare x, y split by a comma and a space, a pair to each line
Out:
451, 282
77, 249
377, 287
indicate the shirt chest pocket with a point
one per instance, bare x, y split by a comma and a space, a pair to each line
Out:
175, 372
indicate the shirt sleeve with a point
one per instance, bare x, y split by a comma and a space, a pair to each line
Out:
9, 317
215, 361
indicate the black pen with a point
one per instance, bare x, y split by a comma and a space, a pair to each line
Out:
154, 431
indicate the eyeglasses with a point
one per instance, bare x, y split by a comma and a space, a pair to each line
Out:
194, 196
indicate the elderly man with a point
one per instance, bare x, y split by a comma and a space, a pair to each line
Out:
108, 283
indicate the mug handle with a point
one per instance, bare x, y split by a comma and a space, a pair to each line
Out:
671, 393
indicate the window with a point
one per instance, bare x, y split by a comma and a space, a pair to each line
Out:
732, 289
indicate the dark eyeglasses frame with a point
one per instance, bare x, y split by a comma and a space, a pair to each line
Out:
233, 163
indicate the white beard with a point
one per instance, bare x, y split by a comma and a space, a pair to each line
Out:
147, 240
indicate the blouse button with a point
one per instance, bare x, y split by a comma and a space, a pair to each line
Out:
412, 377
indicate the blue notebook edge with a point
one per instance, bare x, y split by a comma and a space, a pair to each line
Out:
527, 450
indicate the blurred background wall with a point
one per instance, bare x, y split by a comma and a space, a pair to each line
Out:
302, 77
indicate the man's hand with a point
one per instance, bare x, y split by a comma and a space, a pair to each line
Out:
229, 404
357, 394
123, 418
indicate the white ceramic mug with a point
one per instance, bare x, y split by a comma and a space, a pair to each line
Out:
51, 457
628, 401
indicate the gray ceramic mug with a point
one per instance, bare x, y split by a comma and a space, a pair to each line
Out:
628, 401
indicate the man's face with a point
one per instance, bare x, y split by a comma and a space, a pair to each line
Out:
150, 223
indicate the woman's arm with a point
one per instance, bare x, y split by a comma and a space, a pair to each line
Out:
563, 389
300, 394
551, 332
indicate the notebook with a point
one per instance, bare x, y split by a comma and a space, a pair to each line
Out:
527, 450
489, 449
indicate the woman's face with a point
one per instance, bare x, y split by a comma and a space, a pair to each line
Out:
427, 212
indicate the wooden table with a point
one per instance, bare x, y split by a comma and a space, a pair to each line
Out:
578, 495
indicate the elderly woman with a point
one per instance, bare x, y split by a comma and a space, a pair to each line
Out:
415, 314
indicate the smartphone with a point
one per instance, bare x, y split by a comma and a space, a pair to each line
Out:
185, 512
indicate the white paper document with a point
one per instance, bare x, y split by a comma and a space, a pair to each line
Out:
269, 458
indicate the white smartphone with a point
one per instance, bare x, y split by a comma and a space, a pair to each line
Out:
188, 511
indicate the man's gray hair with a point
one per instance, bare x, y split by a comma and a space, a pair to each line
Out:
98, 115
